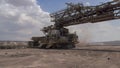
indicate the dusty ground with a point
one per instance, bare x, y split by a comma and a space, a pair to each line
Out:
76, 58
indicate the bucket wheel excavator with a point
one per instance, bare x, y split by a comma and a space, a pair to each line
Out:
59, 37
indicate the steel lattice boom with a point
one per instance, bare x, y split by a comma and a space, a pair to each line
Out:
79, 14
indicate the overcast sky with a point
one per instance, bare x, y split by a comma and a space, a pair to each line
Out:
22, 19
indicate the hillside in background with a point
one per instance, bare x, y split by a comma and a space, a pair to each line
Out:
106, 43
13, 44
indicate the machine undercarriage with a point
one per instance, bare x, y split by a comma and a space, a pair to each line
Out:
54, 38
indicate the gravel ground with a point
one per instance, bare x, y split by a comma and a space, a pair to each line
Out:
76, 58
